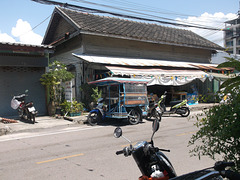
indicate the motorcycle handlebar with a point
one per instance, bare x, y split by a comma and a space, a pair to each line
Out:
119, 152
167, 150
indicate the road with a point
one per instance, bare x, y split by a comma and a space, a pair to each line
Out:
85, 152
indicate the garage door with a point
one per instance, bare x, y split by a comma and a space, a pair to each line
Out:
14, 81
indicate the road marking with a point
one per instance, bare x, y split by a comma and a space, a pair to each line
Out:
186, 133
66, 157
133, 144
11, 137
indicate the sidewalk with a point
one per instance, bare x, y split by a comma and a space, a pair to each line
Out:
44, 122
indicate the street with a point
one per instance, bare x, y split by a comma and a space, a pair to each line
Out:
86, 152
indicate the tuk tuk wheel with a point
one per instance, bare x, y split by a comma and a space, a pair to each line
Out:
134, 117
93, 118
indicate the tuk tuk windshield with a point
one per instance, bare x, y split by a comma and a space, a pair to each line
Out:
135, 88
135, 94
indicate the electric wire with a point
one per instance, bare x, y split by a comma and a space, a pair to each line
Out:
138, 13
33, 27
76, 7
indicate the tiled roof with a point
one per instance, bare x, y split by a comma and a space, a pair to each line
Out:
26, 45
19, 48
111, 26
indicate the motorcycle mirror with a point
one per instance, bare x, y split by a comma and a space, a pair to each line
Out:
155, 125
117, 132
26, 91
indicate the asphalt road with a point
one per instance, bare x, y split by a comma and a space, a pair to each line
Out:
85, 152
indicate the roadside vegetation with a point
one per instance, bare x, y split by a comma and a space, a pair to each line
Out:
219, 128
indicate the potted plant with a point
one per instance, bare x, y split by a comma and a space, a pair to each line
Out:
53, 80
73, 108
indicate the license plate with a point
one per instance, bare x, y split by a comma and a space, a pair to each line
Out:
157, 108
31, 109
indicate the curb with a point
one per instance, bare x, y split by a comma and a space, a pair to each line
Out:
78, 120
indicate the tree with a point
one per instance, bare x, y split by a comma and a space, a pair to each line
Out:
233, 82
219, 130
53, 80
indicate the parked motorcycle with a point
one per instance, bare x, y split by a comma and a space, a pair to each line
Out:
177, 107
218, 172
25, 110
98, 113
154, 111
152, 163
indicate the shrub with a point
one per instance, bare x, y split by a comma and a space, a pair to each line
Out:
219, 131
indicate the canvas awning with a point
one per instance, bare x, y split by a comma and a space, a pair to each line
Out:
160, 76
180, 73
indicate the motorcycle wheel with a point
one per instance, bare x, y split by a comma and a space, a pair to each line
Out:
134, 117
187, 111
31, 117
93, 118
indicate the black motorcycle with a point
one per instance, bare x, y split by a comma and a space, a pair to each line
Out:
218, 172
150, 160
154, 165
154, 111
26, 110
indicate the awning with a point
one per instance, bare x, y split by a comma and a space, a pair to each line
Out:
221, 77
114, 80
154, 70
160, 76
142, 62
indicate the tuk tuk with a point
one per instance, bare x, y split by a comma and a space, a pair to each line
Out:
124, 98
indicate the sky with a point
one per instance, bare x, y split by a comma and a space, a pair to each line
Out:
26, 21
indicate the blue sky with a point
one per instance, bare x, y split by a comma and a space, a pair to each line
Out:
18, 17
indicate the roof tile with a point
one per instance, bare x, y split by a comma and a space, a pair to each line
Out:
137, 30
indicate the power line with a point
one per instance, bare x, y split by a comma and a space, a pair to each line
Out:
139, 13
34, 27
76, 7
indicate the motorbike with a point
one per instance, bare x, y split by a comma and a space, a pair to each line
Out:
98, 113
152, 163
177, 107
153, 111
26, 110
217, 172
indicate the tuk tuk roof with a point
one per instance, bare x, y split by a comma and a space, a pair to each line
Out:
115, 80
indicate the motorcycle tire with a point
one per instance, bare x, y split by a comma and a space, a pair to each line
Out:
134, 117
31, 117
187, 111
93, 118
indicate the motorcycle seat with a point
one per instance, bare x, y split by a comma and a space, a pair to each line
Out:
172, 103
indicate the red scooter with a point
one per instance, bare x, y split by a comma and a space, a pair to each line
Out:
25, 110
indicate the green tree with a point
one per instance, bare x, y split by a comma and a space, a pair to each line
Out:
53, 80
232, 82
219, 130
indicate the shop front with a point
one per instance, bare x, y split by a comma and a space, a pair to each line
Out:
182, 80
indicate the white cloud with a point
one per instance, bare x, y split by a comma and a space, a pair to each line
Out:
4, 37
23, 31
211, 20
